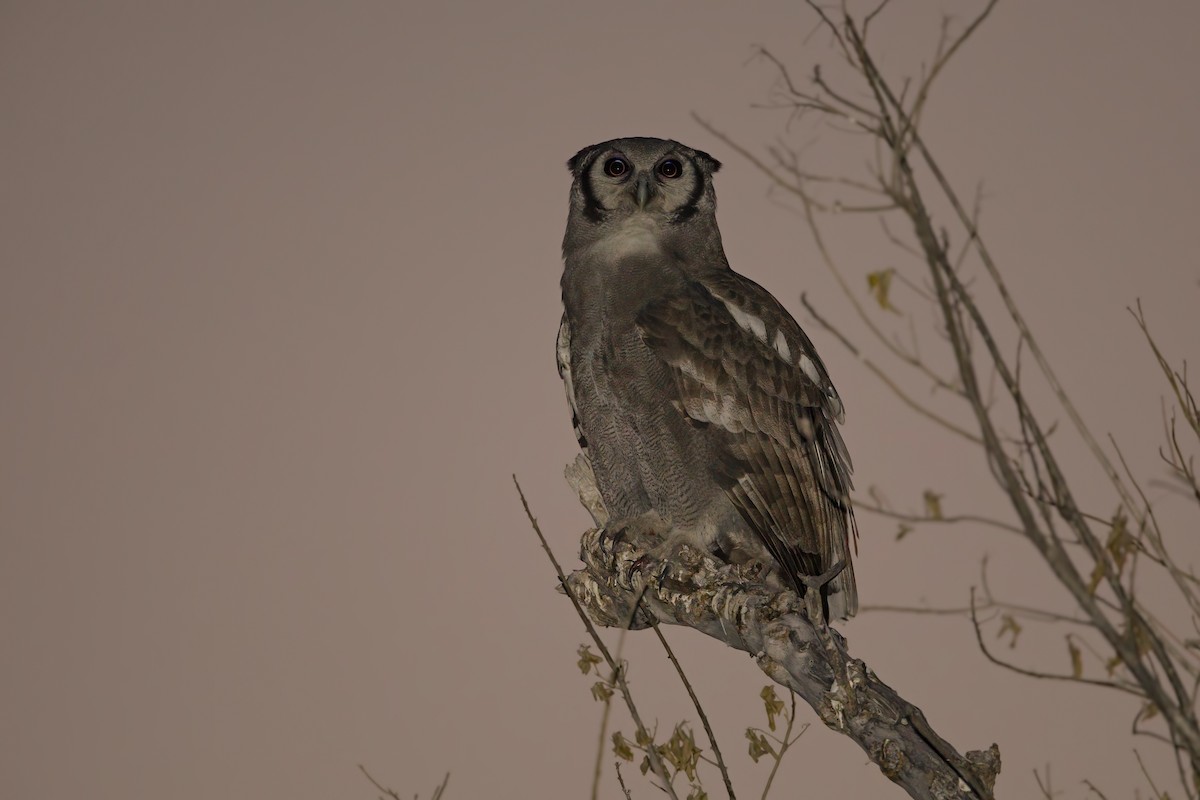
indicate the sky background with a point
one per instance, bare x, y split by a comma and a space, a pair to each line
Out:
278, 298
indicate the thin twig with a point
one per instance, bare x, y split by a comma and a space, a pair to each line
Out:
621, 781
943, 520
1146, 774
1032, 673
392, 793
787, 742
651, 752
712, 738
887, 380
1045, 788
602, 744
389, 792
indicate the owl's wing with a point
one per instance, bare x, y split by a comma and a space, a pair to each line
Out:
742, 364
563, 356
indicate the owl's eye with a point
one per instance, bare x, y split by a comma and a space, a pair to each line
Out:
616, 167
670, 168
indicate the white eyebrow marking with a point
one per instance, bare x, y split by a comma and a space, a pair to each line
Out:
781, 346
746, 320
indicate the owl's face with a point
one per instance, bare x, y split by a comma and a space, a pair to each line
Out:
641, 176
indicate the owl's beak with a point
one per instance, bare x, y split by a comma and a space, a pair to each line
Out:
642, 190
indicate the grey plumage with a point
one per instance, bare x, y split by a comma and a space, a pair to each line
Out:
701, 404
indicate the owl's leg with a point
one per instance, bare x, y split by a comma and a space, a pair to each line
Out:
735, 543
760, 565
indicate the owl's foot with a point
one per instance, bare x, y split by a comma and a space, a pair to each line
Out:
631, 528
609, 538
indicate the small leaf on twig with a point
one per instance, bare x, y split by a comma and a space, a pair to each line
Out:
772, 704
933, 504
587, 659
1149, 711
1009, 624
759, 745
1141, 639
601, 691
905, 530
880, 284
1120, 544
697, 793
681, 752
621, 748
1076, 658
1098, 573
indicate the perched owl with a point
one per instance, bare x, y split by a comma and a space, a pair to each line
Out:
701, 404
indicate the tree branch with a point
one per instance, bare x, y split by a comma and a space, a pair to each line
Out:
656, 763
733, 604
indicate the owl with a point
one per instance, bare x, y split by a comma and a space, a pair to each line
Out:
702, 406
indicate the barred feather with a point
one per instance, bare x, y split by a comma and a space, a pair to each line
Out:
737, 356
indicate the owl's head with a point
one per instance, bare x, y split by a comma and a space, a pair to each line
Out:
642, 176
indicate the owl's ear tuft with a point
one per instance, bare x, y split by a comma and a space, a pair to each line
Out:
578, 161
710, 163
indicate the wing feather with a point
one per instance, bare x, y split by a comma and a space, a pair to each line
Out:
742, 363
563, 357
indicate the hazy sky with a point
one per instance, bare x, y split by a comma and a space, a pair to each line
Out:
278, 296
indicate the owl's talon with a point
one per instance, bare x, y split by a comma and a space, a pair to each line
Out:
640, 562
609, 538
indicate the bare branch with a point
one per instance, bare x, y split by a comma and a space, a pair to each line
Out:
655, 761
887, 380
1034, 673
1100, 561
712, 738
784, 744
944, 520
392, 793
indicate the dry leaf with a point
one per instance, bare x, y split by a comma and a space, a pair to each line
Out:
772, 704
933, 504
601, 691
1076, 658
880, 284
1009, 624
587, 659
759, 745
621, 748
